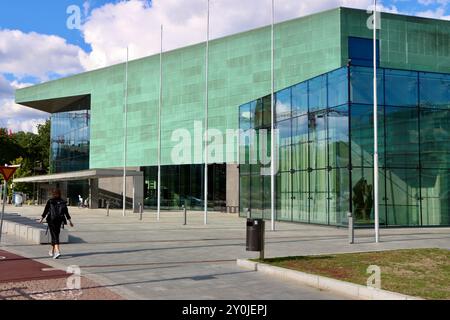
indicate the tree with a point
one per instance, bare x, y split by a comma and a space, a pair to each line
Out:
31, 151
9, 148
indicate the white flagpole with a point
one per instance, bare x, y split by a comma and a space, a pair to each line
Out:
125, 138
375, 124
159, 128
205, 218
272, 128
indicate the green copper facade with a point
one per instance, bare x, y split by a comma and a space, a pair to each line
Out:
240, 72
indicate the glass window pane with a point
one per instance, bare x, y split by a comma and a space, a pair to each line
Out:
259, 114
196, 186
283, 104
256, 196
284, 160
245, 117
150, 186
317, 93
300, 143
402, 137
361, 85
435, 138
69, 141
362, 195
362, 135
435, 190
338, 138
339, 195
401, 88
300, 99
284, 194
318, 193
244, 194
337, 87
300, 196
318, 140
247, 150
267, 110
402, 197
434, 90
266, 198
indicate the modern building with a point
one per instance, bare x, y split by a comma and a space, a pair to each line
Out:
323, 112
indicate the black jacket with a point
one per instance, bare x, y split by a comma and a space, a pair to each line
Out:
47, 210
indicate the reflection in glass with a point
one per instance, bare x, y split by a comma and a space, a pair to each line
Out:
326, 150
70, 137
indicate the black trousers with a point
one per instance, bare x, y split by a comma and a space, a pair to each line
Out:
55, 230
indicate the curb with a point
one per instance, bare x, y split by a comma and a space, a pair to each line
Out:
324, 283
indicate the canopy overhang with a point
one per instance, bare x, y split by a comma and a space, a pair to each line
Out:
79, 175
63, 104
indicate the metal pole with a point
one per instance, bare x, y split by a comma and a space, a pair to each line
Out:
351, 230
141, 211
263, 240
158, 211
107, 208
205, 218
185, 215
375, 124
5, 187
125, 138
272, 128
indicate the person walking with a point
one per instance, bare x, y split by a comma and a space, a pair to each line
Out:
56, 215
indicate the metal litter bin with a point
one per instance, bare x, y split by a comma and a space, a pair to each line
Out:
255, 235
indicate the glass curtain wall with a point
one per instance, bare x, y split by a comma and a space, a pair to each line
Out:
312, 180
183, 185
326, 149
70, 136
414, 131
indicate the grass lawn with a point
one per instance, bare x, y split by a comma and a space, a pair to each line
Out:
417, 272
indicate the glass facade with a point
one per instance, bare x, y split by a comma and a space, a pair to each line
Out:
183, 185
70, 133
325, 157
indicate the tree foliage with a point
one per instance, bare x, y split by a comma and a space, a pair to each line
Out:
31, 151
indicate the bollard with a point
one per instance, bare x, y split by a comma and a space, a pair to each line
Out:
248, 213
263, 244
351, 231
185, 215
107, 208
141, 210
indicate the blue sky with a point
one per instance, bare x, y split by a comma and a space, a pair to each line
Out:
36, 45
43, 16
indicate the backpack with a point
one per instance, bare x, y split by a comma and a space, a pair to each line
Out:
57, 211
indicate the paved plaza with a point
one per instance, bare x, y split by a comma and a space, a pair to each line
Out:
164, 259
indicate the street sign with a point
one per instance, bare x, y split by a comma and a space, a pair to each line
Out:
7, 172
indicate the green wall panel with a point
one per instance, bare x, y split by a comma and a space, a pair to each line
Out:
407, 42
239, 72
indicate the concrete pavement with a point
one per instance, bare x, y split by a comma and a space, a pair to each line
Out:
163, 259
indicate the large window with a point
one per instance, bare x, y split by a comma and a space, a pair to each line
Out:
183, 185
70, 132
326, 148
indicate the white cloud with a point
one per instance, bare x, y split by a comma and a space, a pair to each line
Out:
112, 27
6, 89
37, 55
31, 55
28, 125
438, 13
17, 117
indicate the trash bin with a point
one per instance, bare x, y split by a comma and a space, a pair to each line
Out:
255, 234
